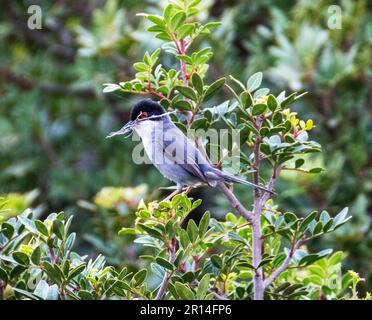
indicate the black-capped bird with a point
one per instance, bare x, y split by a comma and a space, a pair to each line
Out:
171, 151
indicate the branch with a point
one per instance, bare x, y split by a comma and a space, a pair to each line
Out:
3, 285
270, 186
235, 202
285, 264
168, 274
217, 296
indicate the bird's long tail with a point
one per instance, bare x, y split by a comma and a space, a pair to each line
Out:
231, 178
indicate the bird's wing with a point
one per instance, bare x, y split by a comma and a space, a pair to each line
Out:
178, 149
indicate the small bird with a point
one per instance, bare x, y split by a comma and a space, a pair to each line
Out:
172, 152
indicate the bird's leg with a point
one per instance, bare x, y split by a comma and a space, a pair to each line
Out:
187, 191
175, 192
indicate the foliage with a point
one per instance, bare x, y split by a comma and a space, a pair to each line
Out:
212, 261
53, 121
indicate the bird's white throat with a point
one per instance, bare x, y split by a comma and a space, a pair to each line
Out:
150, 132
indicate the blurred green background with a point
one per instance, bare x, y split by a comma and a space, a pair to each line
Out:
54, 116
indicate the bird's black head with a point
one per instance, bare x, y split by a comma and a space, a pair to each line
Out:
146, 109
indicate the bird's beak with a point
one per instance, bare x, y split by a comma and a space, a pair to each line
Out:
127, 129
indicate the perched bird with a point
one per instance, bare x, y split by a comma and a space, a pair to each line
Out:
171, 152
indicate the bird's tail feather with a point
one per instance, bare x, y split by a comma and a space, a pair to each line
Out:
231, 178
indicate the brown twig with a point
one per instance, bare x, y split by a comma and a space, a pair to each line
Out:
168, 274
295, 245
235, 202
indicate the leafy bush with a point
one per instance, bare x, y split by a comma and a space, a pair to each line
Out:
208, 261
261, 254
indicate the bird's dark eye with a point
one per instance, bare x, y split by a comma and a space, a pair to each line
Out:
142, 115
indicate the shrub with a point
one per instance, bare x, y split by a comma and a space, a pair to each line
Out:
260, 254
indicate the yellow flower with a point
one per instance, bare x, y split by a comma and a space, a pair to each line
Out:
261, 100
308, 125
289, 114
294, 121
27, 249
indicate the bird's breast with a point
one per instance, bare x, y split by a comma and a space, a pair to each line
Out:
151, 134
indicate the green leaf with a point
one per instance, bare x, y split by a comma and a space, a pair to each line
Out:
27, 294
58, 229
254, 81
340, 218
259, 109
197, 83
141, 66
53, 271
292, 289
261, 93
246, 99
85, 295
28, 223
336, 258
299, 163
186, 30
76, 271
156, 19
7, 229
182, 105
36, 255
177, 20
179, 257
45, 291
315, 170
164, 263
265, 261
3, 275
152, 232
183, 291
110, 87
163, 36
216, 261
125, 231
196, 204
70, 241
318, 228
203, 224
140, 277
305, 223
187, 92
184, 238
203, 287
42, 228
289, 217
272, 103
214, 88
287, 101
192, 230
211, 25
21, 258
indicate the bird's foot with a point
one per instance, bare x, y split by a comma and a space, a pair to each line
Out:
187, 191
177, 191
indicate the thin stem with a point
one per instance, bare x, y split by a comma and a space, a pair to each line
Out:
182, 51
257, 243
236, 203
2, 287
294, 246
168, 274
217, 296
53, 258
257, 240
